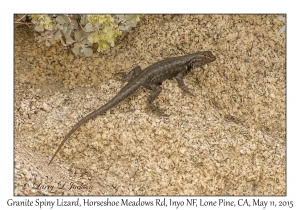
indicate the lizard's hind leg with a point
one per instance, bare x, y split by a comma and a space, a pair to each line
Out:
132, 74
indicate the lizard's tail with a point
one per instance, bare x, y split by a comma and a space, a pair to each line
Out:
75, 127
124, 93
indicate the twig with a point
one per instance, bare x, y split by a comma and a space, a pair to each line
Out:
21, 18
81, 26
84, 29
27, 152
33, 166
22, 23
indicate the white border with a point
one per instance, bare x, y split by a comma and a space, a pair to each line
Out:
153, 6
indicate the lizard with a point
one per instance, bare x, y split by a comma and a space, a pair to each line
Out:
150, 78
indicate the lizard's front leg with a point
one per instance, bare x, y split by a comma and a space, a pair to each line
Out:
179, 79
156, 89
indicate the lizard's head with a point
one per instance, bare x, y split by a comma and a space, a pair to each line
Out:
200, 58
209, 57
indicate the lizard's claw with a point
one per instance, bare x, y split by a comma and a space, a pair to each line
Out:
186, 90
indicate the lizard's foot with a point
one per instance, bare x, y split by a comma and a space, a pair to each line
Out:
157, 110
189, 92
120, 76
162, 113
182, 85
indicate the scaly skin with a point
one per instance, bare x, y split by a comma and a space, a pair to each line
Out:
151, 78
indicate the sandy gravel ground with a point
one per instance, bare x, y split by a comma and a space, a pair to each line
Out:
230, 139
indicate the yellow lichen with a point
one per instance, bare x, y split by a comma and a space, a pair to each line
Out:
105, 37
44, 21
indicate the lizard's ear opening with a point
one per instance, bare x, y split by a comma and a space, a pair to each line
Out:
197, 65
